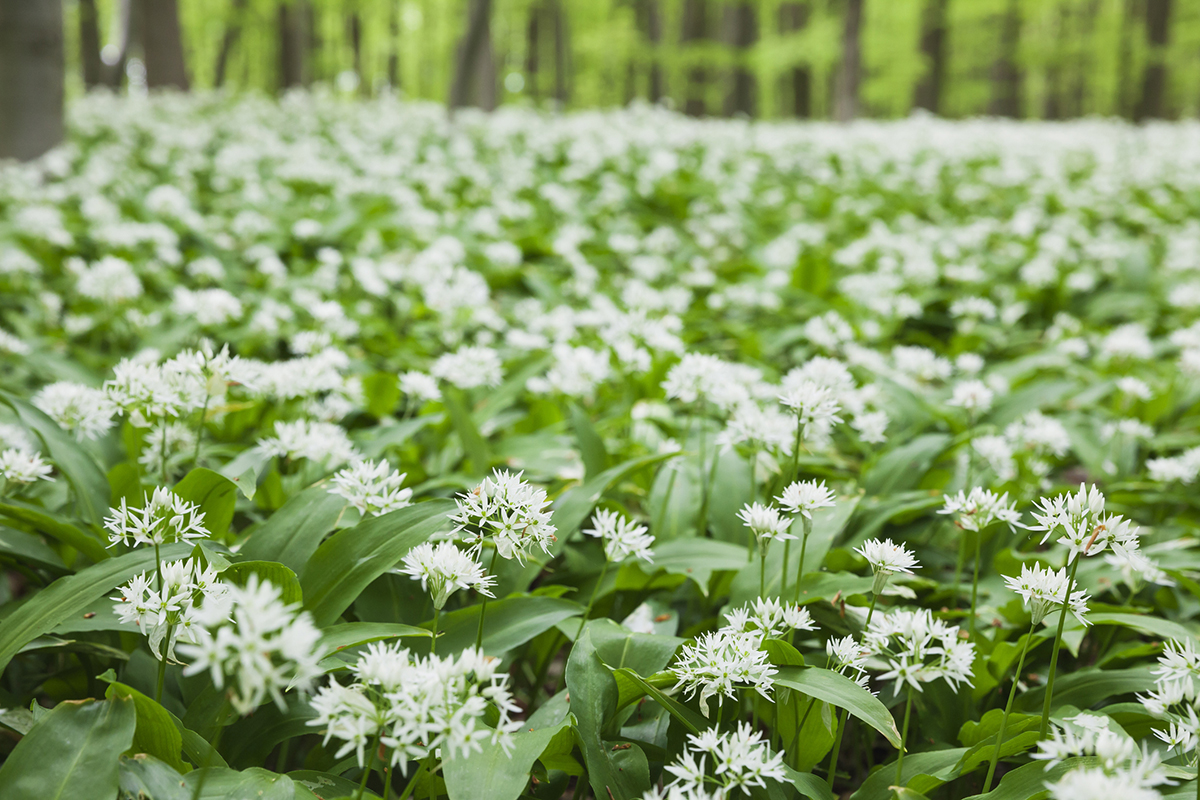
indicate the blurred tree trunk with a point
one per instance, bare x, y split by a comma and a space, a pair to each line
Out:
393, 65
233, 31
294, 44
31, 77
1006, 76
928, 93
89, 45
562, 54
649, 18
163, 45
474, 49
741, 31
1152, 103
845, 96
695, 29
354, 33
797, 82
532, 56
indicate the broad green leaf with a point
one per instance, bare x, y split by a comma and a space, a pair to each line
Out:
938, 764
155, 734
809, 785
214, 493
268, 572
509, 623
86, 542
260, 784
1088, 686
840, 691
76, 464
1145, 623
591, 446
382, 391
71, 752
352, 634
72, 594
324, 784
1029, 780
497, 773
904, 466
350, 559
144, 777
468, 432
293, 533
646, 687
698, 559
29, 550
248, 742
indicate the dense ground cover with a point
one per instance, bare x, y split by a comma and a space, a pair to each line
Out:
289, 388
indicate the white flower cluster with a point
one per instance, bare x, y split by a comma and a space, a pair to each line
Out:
1080, 524
508, 512
976, 510
19, 466
80, 410
919, 649
766, 523
717, 766
418, 705
1174, 698
443, 569
622, 538
164, 517
174, 608
321, 442
802, 498
769, 617
1123, 771
254, 646
372, 488
886, 559
1043, 589
719, 662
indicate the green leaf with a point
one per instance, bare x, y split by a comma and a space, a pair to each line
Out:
1146, 624
223, 784
71, 752
143, 776
698, 559
468, 432
904, 466
267, 571
86, 542
352, 634
382, 391
293, 533
76, 465
938, 764
621, 774
688, 718
155, 734
1088, 686
30, 550
350, 559
72, 594
494, 773
323, 784
214, 493
509, 623
591, 446
1029, 780
840, 691
809, 785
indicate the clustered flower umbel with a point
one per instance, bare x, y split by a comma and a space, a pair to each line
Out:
918, 649
718, 766
1174, 698
164, 517
372, 488
507, 512
443, 569
622, 538
1124, 770
187, 586
417, 705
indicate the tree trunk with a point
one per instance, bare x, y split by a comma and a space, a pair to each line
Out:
1152, 104
562, 54
532, 56
845, 97
354, 33
89, 45
163, 46
796, 83
294, 44
474, 48
393, 65
649, 19
741, 31
233, 31
1006, 76
695, 29
928, 93
31, 77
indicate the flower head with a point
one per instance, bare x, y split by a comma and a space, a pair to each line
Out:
622, 538
979, 509
805, 497
1043, 589
372, 488
164, 517
508, 512
719, 661
766, 524
919, 649
443, 569
886, 559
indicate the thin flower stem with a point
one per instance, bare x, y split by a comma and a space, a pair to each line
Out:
871, 610
1057, 643
762, 572
591, 600
753, 498
362, 785
1012, 693
200, 431
163, 460
904, 737
803, 547
483, 608
437, 612
215, 742
796, 449
416, 778
162, 664
783, 573
702, 530
975, 582
837, 746
958, 565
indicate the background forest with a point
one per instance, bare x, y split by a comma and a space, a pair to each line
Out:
766, 58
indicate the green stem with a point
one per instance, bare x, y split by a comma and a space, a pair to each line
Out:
753, 498
703, 526
483, 608
783, 573
958, 565
437, 613
362, 785
162, 664
975, 581
796, 449
812, 703
592, 599
837, 747
904, 737
762, 572
1057, 643
416, 778
163, 460
803, 547
1012, 693
871, 610
215, 742
200, 431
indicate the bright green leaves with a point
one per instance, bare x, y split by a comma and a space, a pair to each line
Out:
840, 691
72, 751
497, 773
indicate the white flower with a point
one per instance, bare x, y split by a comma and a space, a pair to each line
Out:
919, 649
322, 442
805, 497
848, 657
1043, 589
256, 647
348, 715
372, 488
770, 617
508, 512
812, 404
164, 517
80, 410
443, 569
740, 760
720, 661
979, 509
1079, 521
420, 386
886, 559
469, 367
622, 538
186, 586
765, 523
973, 396
23, 466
